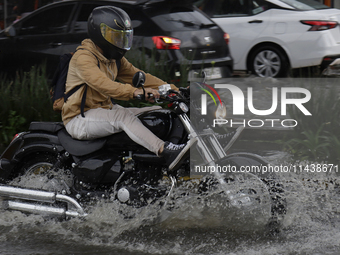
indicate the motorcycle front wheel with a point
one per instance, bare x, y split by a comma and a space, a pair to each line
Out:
241, 180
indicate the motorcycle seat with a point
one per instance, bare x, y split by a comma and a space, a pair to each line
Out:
51, 127
79, 147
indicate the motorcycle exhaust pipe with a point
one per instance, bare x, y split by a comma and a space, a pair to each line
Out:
40, 209
39, 196
27, 194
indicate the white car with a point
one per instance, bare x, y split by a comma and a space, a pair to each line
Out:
268, 37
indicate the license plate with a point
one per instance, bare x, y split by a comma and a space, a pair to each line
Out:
213, 73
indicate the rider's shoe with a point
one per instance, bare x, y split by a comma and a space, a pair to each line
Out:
171, 151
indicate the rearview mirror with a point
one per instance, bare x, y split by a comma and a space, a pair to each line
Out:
10, 31
138, 79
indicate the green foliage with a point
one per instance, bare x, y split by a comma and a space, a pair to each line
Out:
310, 145
334, 142
24, 99
317, 136
14, 123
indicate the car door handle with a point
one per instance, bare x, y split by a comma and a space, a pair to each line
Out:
255, 21
55, 44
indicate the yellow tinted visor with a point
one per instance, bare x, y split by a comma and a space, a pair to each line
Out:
119, 38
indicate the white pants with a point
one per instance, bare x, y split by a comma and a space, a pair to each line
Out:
104, 122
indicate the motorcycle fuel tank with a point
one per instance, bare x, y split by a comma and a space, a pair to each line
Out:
158, 122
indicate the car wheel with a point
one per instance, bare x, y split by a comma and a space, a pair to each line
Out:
269, 61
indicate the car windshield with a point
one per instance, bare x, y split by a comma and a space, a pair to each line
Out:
180, 18
305, 5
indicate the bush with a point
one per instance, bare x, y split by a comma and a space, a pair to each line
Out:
318, 136
24, 100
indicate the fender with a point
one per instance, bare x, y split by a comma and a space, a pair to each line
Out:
242, 159
33, 148
255, 161
31, 143
246, 158
27, 144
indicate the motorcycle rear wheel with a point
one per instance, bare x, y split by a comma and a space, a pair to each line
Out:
38, 172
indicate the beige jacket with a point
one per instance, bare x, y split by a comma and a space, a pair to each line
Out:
101, 82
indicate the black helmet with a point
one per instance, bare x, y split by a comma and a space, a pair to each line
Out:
110, 29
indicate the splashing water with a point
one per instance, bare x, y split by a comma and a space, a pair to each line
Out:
310, 226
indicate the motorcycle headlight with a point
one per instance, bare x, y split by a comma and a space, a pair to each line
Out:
221, 111
183, 107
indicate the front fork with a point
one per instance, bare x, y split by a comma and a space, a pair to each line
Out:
209, 156
193, 135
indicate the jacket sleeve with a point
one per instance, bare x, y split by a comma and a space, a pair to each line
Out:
127, 71
89, 72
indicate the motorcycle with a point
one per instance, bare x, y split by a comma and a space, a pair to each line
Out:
71, 173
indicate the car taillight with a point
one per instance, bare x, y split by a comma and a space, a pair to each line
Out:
226, 38
166, 43
319, 25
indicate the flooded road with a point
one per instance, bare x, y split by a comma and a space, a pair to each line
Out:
311, 226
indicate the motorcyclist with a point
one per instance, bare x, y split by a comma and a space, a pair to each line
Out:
95, 64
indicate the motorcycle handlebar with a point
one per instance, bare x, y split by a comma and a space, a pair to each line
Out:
166, 95
142, 96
